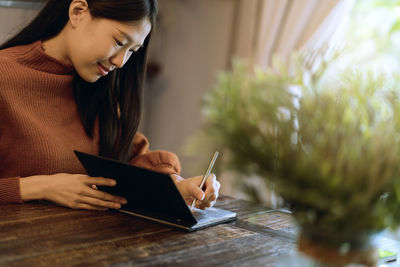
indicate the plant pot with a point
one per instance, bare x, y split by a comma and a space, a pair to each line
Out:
329, 248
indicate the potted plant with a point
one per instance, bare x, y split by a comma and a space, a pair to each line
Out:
327, 140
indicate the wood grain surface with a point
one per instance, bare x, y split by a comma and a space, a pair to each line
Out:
43, 234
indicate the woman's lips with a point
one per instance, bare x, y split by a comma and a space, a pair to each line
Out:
103, 70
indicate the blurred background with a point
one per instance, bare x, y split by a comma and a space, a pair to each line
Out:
196, 39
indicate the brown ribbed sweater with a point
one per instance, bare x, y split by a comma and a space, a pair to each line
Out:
40, 126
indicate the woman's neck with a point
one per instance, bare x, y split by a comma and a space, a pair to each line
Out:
56, 48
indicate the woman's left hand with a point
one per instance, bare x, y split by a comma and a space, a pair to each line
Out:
190, 189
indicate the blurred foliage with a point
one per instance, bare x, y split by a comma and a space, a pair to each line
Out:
329, 144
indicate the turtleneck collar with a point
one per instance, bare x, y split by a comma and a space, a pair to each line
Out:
34, 56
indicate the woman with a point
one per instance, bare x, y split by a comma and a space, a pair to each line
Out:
72, 79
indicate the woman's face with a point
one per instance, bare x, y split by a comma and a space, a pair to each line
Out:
96, 46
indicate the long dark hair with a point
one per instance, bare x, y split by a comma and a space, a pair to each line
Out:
116, 98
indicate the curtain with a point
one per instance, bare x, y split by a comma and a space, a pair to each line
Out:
277, 27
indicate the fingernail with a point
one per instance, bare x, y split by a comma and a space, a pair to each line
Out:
124, 201
113, 183
117, 206
202, 198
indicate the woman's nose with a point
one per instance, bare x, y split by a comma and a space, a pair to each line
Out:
119, 59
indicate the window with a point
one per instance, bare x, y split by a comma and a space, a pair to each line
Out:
373, 35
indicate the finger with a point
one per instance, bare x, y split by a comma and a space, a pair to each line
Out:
212, 197
211, 182
212, 187
104, 196
195, 191
100, 181
98, 202
203, 205
89, 207
209, 201
208, 204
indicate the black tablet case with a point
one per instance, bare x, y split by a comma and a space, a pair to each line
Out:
151, 195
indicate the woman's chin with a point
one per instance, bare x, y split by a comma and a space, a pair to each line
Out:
90, 78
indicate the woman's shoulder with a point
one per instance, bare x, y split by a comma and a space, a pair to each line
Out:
7, 56
13, 60
8, 63
11, 55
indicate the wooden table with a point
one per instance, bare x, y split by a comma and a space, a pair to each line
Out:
43, 234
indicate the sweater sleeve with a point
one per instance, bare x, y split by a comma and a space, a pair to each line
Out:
9, 190
159, 160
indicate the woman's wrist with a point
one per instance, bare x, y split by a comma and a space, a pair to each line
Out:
32, 187
176, 178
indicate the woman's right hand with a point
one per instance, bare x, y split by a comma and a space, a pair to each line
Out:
76, 191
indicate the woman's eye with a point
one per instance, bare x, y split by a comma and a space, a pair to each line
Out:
118, 43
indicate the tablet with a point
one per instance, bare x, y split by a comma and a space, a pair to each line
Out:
151, 195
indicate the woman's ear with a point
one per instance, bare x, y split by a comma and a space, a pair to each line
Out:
78, 10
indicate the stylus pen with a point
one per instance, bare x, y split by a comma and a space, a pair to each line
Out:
210, 166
